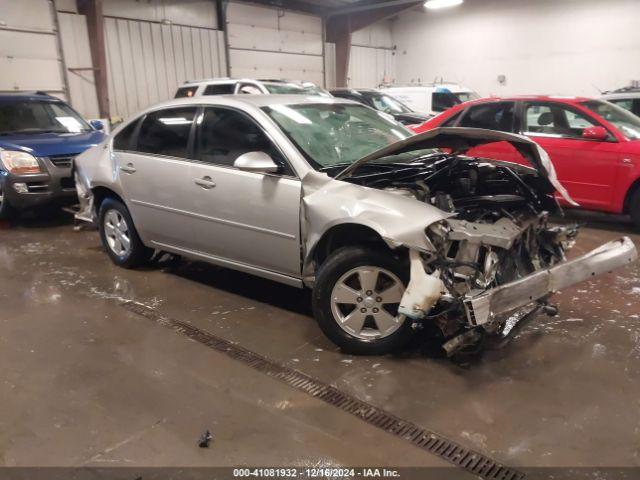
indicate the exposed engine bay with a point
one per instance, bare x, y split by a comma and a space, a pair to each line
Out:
498, 235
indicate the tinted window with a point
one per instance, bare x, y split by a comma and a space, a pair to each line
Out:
452, 121
122, 141
555, 120
166, 132
491, 116
219, 89
225, 134
186, 92
441, 101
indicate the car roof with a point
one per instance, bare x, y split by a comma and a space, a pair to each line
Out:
621, 95
256, 100
543, 98
9, 96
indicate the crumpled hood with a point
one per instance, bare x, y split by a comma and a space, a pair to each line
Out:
463, 139
47, 144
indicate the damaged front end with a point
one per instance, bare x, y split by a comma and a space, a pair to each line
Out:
495, 259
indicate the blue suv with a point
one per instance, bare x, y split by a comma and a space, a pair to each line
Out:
39, 137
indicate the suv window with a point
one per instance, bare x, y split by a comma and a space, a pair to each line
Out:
186, 92
225, 134
492, 116
122, 141
555, 120
219, 89
166, 132
249, 89
441, 101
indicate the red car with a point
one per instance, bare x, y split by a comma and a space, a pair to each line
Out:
594, 145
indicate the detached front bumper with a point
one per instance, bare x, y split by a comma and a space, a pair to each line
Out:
482, 307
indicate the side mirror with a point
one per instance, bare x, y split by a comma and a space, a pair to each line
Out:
595, 133
257, 162
97, 124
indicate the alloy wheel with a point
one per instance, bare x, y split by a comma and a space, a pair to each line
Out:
365, 301
116, 231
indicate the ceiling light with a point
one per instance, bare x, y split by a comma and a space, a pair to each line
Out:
433, 4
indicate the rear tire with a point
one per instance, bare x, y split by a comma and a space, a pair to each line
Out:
634, 208
356, 298
119, 236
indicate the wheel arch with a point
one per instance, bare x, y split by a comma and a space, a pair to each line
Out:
344, 235
101, 193
635, 186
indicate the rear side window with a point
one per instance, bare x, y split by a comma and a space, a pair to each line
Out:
491, 116
123, 140
186, 92
219, 89
166, 132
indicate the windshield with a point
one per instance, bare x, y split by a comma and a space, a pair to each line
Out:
312, 89
33, 117
336, 134
626, 122
284, 88
387, 104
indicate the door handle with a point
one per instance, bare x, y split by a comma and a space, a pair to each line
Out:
128, 168
204, 182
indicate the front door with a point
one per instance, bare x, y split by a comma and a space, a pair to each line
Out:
154, 173
586, 168
244, 217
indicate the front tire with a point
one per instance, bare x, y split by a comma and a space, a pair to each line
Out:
6, 210
356, 298
634, 208
119, 236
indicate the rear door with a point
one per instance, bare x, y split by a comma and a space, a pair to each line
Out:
244, 217
586, 168
498, 116
154, 174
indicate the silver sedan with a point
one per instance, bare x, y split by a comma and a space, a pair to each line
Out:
393, 231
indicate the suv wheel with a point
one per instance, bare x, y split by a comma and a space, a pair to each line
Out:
119, 236
356, 298
6, 210
634, 208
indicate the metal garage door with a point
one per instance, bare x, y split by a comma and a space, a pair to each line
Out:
147, 60
29, 51
269, 42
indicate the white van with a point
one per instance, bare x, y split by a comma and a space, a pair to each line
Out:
431, 98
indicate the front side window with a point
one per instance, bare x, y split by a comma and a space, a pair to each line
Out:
491, 116
441, 101
186, 92
247, 88
626, 122
34, 117
555, 120
336, 134
226, 134
166, 132
123, 140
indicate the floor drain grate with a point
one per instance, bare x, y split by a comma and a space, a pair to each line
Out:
474, 462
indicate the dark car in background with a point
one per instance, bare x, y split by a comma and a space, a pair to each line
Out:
39, 137
384, 103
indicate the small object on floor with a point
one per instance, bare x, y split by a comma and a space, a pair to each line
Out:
205, 439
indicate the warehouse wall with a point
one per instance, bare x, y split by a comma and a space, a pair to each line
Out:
546, 46
29, 50
154, 46
274, 43
372, 60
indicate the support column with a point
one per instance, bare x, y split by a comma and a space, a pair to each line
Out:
95, 26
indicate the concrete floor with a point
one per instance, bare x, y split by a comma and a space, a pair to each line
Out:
85, 382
